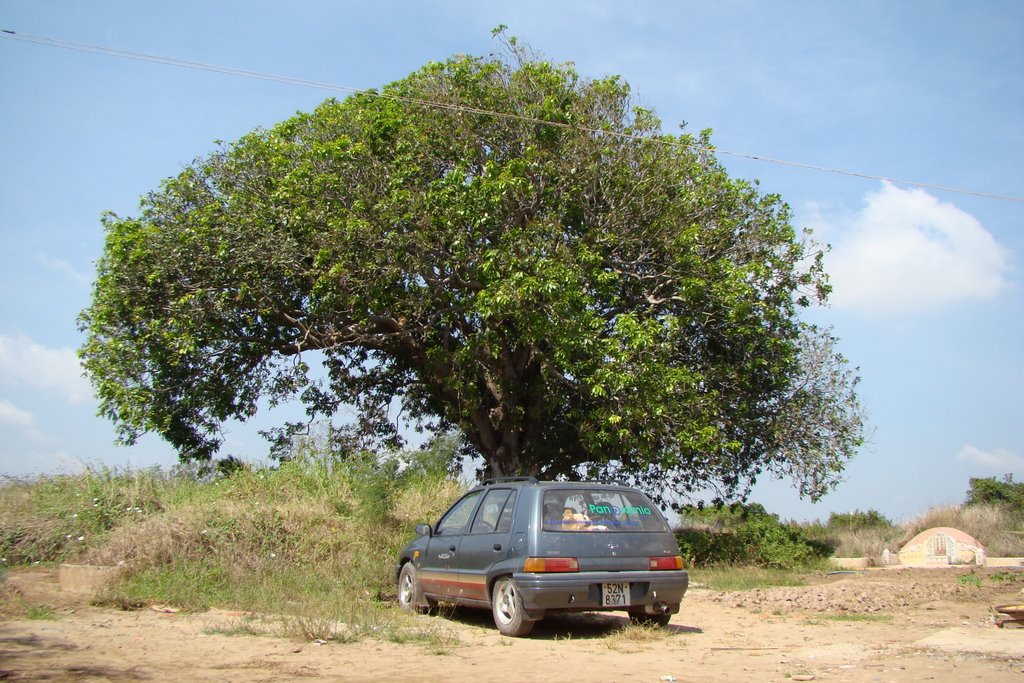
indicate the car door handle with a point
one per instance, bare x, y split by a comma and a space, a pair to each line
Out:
443, 556
496, 546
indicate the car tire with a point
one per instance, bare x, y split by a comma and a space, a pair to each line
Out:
508, 611
410, 593
643, 619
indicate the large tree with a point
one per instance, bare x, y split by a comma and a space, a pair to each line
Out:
492, 244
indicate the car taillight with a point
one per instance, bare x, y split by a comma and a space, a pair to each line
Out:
658, 563
551, 564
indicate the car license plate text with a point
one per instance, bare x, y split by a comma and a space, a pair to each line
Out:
614, 594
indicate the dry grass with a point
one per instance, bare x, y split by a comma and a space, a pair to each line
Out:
58, 517
869, 542
313, 540
997, 529
246, 536
419, 504
1000, 531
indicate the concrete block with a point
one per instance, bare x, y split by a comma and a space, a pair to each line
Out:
1004, 562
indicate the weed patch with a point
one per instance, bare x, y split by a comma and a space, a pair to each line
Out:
969, 579
1005, 577
40, 613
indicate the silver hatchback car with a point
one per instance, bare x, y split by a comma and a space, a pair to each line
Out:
525, 548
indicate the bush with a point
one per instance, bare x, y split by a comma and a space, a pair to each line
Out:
1006, 493
856, 520
744, 535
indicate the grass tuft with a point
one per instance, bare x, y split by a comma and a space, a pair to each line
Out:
633, 636
246, 626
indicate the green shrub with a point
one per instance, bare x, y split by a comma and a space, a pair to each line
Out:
991, 491
744, 535
856, 520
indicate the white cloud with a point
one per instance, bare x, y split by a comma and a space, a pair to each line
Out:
24, 362
907, 251
64, 268
999, 460
12, 414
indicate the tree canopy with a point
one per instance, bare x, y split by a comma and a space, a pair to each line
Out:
497, 245
1005, 493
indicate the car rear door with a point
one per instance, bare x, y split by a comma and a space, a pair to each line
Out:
487, 542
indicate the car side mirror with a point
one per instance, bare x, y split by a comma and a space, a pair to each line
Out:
423, 529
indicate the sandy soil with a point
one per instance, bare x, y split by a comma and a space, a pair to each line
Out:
878, 626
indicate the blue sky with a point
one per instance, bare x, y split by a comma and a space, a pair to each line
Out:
928, 299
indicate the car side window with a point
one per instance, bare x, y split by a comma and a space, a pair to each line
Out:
490, 512
455, 520
505, 520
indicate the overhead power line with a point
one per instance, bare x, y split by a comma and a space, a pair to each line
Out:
246, 73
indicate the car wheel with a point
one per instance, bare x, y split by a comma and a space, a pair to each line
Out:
644, 619
410, 594
507, 607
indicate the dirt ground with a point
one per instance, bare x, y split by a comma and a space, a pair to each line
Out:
906, 625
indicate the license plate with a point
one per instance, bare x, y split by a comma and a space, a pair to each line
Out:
614, 594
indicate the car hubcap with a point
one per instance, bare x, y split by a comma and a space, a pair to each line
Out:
507, 603
406, 589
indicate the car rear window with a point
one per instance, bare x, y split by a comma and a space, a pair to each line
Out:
600, 510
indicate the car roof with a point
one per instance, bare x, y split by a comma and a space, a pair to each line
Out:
533, 481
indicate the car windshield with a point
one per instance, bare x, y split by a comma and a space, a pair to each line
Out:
600, 510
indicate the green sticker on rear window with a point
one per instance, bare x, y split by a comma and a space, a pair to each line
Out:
615, 510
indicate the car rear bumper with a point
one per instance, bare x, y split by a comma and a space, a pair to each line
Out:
581, 591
